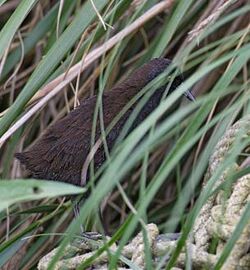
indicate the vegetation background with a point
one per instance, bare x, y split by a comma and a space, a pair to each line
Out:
54, 53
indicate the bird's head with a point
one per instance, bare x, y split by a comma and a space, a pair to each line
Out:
149, 71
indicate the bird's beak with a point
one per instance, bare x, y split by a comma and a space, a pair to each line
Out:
189, 96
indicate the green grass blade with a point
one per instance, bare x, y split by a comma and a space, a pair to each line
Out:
14, 191
14, 22
83, 19
31, 40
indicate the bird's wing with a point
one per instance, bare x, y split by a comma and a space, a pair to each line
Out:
61, 151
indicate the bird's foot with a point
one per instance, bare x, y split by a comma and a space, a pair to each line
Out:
92, 235
87, 241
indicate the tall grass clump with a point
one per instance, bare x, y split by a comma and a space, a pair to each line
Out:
174, 170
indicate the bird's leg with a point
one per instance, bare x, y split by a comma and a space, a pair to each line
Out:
76, 209
89, 235
101, 213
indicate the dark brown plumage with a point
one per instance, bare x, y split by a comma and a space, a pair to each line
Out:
62, 150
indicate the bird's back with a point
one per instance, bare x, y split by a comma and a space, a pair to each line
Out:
60, 153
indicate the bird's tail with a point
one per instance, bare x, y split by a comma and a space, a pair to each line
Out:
22, 158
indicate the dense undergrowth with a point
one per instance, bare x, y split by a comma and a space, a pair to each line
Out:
43, 47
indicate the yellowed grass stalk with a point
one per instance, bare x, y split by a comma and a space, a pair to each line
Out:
57, 85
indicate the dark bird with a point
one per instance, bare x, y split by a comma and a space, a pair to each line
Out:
61, 151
